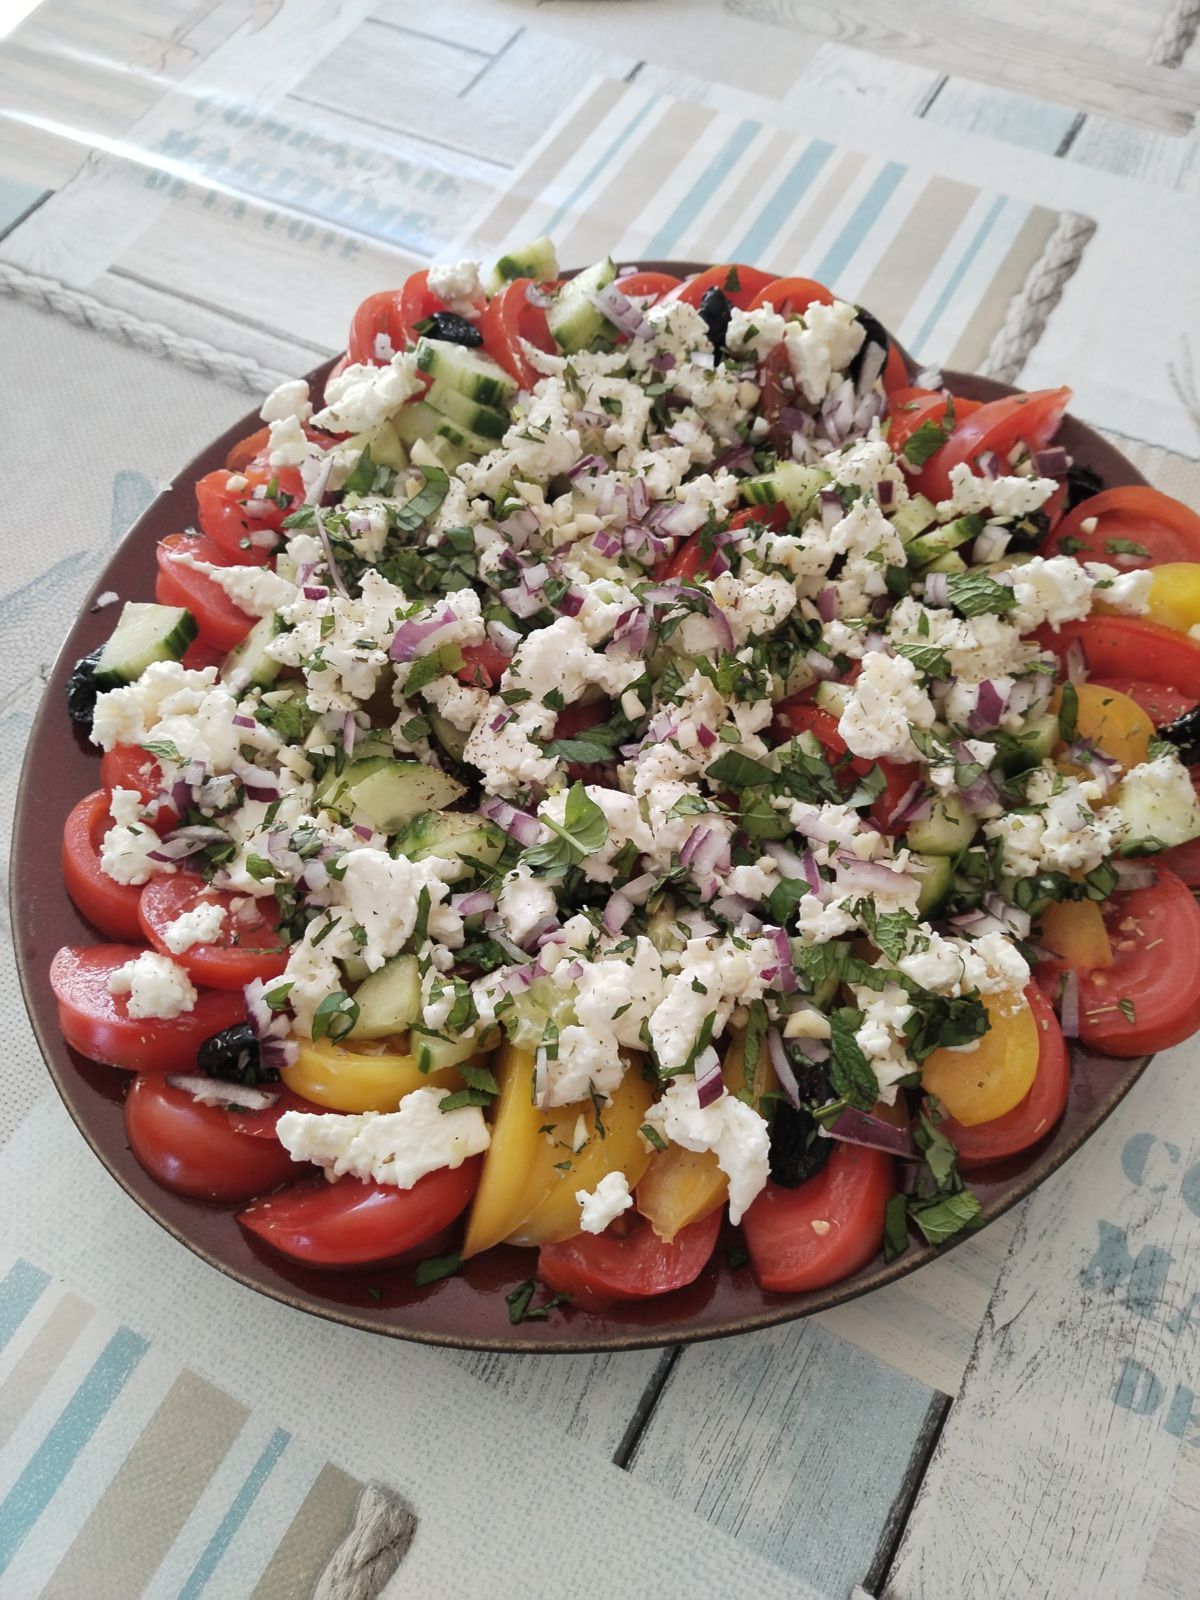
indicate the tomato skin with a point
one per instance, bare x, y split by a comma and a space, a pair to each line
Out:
1125, 647
791, 297
1030, 418
577, 718
192, 1149
1161, 702
393, 313
1167, 528
98, 1025
1036, 1114
597, 1269
484, 664
850, 1193
649, 286
1155, 934
222, 625
510, 317
241, 952
248, 449
797, 715
349, 1224
108, 905
751, 282
910, 409
221, 511
128, 766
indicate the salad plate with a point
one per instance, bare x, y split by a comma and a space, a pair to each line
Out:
471, 1307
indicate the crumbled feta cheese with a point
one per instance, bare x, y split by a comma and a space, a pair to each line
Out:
604, 1203
255, 590
823, 345
155, 985
733, 1130
525, 903
397, 1147
755, 333
361, 397
201, 925
885, 703
290, 399
1127, 592
1066, 835
457, 287
1004, 497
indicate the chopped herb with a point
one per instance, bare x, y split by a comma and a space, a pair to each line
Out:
434, 1268
520, 1308
1126, 1008
1125, 547
895, 1227
1068, 712
334, 1017
850, 1072
941, 1218
652, 1136
163, 748
927, 658
975, 594
582, 832
740, 772
928, 439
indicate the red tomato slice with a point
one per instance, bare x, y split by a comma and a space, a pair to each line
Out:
750, 283
789, 1253
192, 1149
199, 655
484, 664
99, 1026
108, 905
1169, 530
791, 297
649, 286
248, 946
393, 313
248, 449
1125, 647
222, 625
796, 715
1041, 1108
224, 518
910, 409
1161, 702
895, 373
262, 1124
1155, 936
128, 766
1029, 419
598, 1268
510, 317
348, 1223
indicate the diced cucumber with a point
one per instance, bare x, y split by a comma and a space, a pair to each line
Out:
145, 632
433, 1052
433, 440
936, 877
1030, 746
792, 484
486, 421
574, 320
1157, 814
950, 562
452, 740
927, 547
378, 742
536, 260
947, 829
354, 968
469, 371
664, 929
251, 655
454, 836
441, 453
913, 517
832, 696
384, 444
390, 793
388, 1001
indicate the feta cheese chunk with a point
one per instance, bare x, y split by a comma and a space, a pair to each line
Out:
201, 925
604, 1203
885, 703
733, 1130
155, 985
397, 1147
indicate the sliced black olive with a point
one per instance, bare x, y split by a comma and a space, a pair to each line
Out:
1184, 734
716, 308
1029, 532
453, 329
798, 1148
82, 691
233, 1056
1082, 484
876, 334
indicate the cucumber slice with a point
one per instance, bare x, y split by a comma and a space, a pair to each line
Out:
441, 453
384, 444
452, 740
485, 421
144, 633
1031, 745
536, 260
832, 696
390, 793
433, 1052
446, 443
792, 484
825, 991
469, 371
388, 1001
454, 836
950, 562
945, 831
936, 877
927, 547
574, 320
913, 517
251, 655
1157, 813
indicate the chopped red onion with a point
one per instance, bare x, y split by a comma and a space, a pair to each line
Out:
1076, 662
705, 850
710, 1085
783, 1068
831, 509
860, 1127
259, 785
670, 593
990, 545
869, 876
571, 603
1052, 463
335, 571
989, 464
625, 316
664, 361
643, 545
1068, 1010
362, 831
278, 1054
989, 707
822, 666
937, 588
885, 492
827, 604
315, 591
1017, 921
912, 806
676, 519
519, 825
786, 982
705, 737
239, 721
606, 543
617, 912
411, 635
631, 631
587, 464
978, 922
739, 459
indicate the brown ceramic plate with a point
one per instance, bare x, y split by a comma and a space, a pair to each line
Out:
468, 1310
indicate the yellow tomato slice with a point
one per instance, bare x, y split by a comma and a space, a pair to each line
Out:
680, 1186
1112, 722
1175, 595
1074, 931
559, 1169
373, 1076
506, 1195
982, 1084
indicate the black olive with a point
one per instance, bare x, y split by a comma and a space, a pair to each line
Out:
82, 691
1082, 484
798, 1149
1184, 734
1029, 532
716, 308
876, 334
233, 1056
450, 328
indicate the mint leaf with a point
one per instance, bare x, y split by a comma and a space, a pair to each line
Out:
334, 1017
927, 658
928, 439
895, 1227
976, 593
850, 1072
740, 772
409, 517
941, 1218
583, 831
434, 1268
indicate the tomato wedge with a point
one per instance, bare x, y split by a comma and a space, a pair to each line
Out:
910, 409
248, 946
796, 715
1125, 647
108, 905
826, 1229
248, 449
1161, 702
747, 284
599, 1268
648, 286
1166, 528
1029, 419
791, 297
484, 664
192, 1149
510, 317
391, 317
224, 516
128, 766
98, 1024
222, 625
1033, 1118
349, 1224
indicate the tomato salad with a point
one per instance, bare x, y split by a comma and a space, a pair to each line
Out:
626, 756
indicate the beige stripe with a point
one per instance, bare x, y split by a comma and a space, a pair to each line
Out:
497, 226
1024, 252
754, 181
154, 1491
40, 1361
313, 1534
920, 242
789, 253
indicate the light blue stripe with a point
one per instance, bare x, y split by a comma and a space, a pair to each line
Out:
960, 271
594, 172
702, 190
772, 216
59, 1450
19, 1290
236, 1515
841, 251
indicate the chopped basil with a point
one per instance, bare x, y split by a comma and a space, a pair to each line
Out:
334, 1017
434, 1268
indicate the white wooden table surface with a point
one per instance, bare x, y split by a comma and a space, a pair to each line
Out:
1019, 1419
